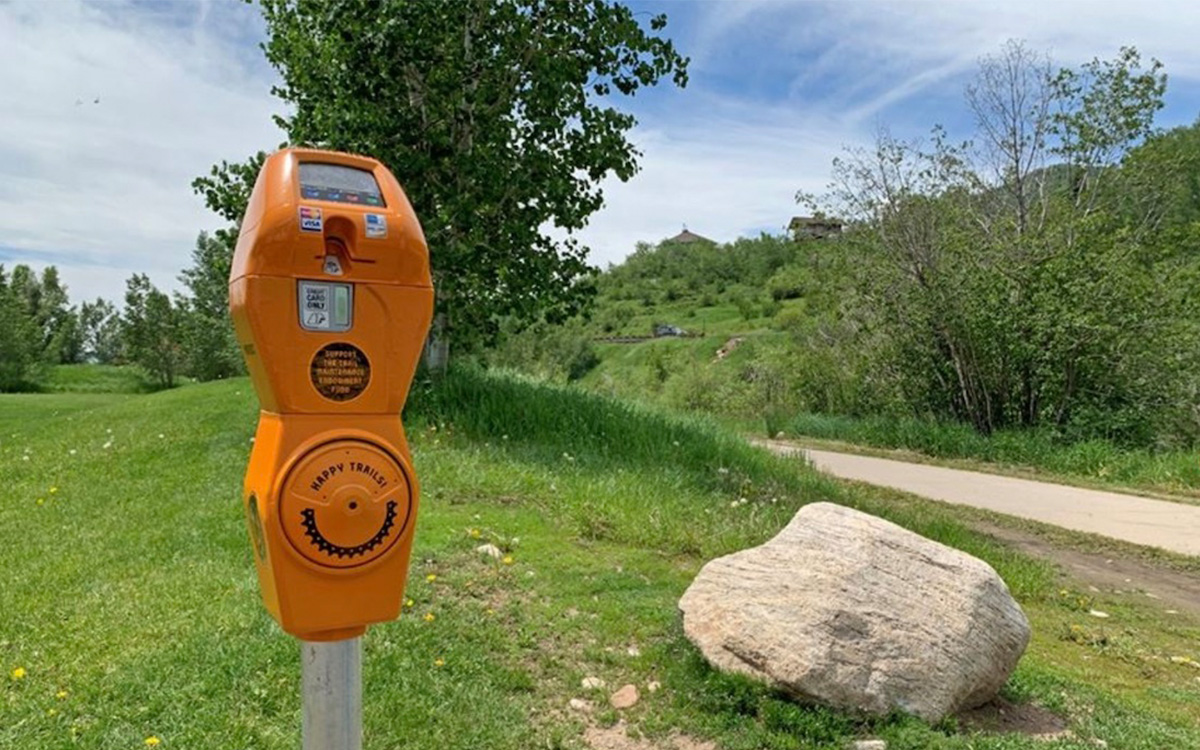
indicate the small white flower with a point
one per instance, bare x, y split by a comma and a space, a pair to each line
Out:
161, 436
722, 470
72, 451
25, 457
108, 445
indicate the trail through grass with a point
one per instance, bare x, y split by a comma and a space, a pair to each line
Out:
130, 606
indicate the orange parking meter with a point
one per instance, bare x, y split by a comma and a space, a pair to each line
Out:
331, 300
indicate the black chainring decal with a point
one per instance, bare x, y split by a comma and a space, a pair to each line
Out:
309, 522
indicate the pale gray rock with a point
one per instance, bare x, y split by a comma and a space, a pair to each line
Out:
490, 550
846, 609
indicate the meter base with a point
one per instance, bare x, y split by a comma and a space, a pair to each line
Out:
314, 531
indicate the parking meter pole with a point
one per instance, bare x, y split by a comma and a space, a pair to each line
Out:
332, 694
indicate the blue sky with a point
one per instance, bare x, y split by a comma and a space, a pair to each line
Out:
109, 105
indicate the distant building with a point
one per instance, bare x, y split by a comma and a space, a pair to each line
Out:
686, 237
814, 227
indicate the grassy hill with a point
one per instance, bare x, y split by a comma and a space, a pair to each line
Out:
129, 607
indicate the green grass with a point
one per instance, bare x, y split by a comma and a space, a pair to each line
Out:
130, 586
1093, 461
690, 314
96, 379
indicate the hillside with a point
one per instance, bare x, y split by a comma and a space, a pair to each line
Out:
131, 610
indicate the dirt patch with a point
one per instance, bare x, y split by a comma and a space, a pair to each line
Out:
617, 737
1003, 717
1172, 589
728, 348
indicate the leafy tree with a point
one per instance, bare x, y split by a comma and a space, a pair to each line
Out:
66, 346
20, 358
1019, 279
51, 310
209, 345
100, 327
496, 117
150, 331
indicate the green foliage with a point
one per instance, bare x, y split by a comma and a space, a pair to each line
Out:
39, 328
100, 327
1012, 292
495, 117
557, 353
20, 356
150, 331
226, 190
209, 346
684, 271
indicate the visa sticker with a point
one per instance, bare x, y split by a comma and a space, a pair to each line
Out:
376, 226
310, 219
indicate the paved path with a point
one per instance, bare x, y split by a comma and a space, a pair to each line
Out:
1154, 523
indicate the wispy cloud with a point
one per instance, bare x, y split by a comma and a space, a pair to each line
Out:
109, 112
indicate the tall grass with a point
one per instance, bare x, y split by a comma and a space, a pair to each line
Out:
94, 378
593, 430
1176, 471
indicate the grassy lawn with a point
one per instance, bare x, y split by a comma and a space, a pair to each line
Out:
130, 610
97, 379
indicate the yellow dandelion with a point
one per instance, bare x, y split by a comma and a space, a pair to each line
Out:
428, 617
474, 533
431, 577
491, 611
61, 694
439, 662
52, 712
151, 741
18, 673
53, 490
41, 501
508, 560
409, 603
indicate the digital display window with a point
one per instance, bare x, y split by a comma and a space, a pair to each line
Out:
340, 184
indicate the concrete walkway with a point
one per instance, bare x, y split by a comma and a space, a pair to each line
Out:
1154, 523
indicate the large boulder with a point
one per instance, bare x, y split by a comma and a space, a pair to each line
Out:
846, 609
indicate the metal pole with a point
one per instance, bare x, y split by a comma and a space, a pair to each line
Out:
332, 686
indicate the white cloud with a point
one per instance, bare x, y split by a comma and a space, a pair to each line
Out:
778, 88
108, 116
